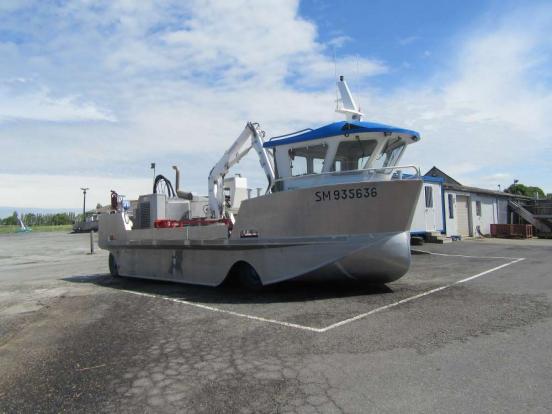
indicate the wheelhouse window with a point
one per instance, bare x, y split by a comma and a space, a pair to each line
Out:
353, 155
393, 154
390, 155
307, 160
428, 196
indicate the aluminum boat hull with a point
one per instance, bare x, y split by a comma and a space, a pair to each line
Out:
357, 230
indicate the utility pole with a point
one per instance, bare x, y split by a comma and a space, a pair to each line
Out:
84, 190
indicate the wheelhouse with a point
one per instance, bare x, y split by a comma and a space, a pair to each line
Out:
338, 153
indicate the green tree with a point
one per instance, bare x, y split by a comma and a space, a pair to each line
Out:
11, 220
29, 219
528, 191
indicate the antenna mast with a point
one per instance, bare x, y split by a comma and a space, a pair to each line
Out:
348, 105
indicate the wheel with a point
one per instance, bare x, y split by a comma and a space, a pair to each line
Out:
113, 268
249, 278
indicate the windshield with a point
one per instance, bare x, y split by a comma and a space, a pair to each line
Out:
393, 155
390, 154
307, 160
353, 155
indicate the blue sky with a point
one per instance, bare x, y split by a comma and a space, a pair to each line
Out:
92, 92
411, 36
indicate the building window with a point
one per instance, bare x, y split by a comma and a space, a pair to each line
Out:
451, 206
428, 196
478, 208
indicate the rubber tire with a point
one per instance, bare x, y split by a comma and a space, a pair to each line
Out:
113, 268
249, 278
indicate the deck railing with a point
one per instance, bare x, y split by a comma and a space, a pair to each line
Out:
397, 173
539, 207
402, 172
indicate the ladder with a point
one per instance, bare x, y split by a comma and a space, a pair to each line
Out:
540, 225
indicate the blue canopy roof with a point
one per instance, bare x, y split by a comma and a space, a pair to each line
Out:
338, 128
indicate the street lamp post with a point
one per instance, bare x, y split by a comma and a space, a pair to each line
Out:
84, 190
512, 213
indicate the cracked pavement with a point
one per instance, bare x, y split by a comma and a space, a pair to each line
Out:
72, 338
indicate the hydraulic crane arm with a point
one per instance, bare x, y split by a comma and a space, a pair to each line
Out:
251, 137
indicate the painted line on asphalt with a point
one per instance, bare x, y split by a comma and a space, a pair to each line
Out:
421, 295
213, 309
470, 257
332, 326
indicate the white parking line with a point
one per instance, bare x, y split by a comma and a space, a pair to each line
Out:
421, 295
213, 309
343, 322
469, 257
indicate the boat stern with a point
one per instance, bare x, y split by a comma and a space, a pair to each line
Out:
112, 227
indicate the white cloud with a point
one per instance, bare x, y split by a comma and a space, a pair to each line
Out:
404, 41
174, 82
319, 70
339, 41
39, 105
490, 111
500, 178
166, 70
61, 191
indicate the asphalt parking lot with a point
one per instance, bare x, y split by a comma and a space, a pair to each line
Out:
469, 329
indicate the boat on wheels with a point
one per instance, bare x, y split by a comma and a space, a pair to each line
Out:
337, 205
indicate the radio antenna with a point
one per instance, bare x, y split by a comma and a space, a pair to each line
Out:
335, 77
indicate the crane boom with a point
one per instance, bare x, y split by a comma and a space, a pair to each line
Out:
251, 137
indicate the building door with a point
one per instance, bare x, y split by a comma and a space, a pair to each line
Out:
429, 209
463, 215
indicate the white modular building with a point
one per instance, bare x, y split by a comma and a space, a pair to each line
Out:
446, 206
428, 216
470, 211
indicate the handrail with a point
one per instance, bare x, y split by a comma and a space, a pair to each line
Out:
291, 133
352, 172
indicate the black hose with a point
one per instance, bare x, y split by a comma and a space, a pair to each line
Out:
170, 188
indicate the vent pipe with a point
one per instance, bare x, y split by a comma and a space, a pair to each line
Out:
177, 179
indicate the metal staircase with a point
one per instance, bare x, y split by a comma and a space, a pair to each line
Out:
538, 214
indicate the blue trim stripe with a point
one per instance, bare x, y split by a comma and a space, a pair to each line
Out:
444, 209
427, 179
430, 179
341, 128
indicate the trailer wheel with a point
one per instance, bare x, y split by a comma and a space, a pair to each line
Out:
113, 268
249, 278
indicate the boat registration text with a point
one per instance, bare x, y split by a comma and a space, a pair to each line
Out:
344, 194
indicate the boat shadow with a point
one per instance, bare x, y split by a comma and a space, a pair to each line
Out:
290, 291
